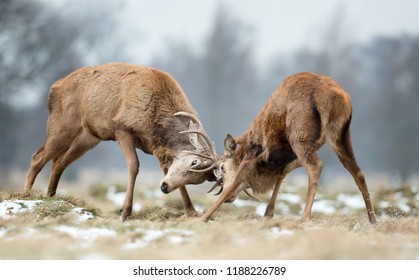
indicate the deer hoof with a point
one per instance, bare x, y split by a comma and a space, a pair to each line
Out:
124, 214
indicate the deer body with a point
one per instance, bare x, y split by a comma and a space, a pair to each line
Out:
132, 105
304, 112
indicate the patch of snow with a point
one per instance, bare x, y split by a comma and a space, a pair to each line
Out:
261, 208
245, 202
3, 231
119, 197
276, 231
89, 234
283, 208
199, 209
384, 204
176, 239
135, 244
175, 236
9, 208
403, 206
324, 206
82, 214
290, 197
351, 201
114, 196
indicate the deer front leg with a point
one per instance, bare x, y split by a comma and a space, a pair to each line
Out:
189, 209
127, 143
270, 208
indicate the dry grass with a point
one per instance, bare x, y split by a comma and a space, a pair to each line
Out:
160, 230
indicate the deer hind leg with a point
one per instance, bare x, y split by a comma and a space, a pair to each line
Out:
189, 208
78, 147
343, 148
37, 163
313, 166
305, 134
127, 143
55, 144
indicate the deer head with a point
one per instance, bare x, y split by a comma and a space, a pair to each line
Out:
191, 167
236, 170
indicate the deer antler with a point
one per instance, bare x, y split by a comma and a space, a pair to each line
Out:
201, 132
218, 183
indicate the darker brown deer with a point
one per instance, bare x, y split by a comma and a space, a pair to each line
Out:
304, 112
139, 107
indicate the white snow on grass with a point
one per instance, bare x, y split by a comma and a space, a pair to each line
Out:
3, 231
82, 214
351, 201
260, 207
403, 206
9, 208
324, 206
118, 198
283, 208
276, 232
290, 197
174, 236
88, 234
246, 203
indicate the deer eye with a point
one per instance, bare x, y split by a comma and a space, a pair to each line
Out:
194, 163
222, 168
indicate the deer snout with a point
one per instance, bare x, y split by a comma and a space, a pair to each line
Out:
164, 188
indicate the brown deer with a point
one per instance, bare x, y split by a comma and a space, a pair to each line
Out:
139, 107
302, 113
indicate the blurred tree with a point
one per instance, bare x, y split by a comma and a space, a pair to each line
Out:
39, 43
222, 80
393, 65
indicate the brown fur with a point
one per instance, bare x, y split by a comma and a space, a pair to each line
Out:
301, 114
132, 105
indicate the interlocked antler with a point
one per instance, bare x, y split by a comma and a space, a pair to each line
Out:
201, 132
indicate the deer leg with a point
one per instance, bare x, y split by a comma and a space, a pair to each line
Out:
343, 149
127, 143
270, 208
314, 170
313, 166
55, 144
37, 163
189, 209
78, 147
227, 193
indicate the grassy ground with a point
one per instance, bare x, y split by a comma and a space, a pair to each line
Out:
52, 229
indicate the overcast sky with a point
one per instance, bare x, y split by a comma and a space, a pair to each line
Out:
278, 26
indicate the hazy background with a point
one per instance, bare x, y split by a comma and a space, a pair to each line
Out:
228, 56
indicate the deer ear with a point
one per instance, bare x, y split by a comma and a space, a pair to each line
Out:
230, 145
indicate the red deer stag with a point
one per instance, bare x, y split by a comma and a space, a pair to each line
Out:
139, 107
302, 113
